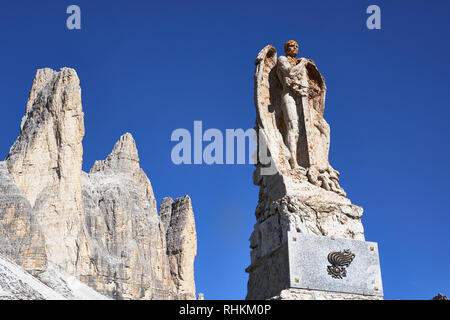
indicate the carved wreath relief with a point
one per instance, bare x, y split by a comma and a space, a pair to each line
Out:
339, 261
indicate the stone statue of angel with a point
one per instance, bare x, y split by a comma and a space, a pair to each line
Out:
290, 102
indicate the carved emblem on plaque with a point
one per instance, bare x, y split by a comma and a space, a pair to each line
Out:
339, 261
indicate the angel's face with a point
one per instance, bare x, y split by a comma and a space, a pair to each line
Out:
292, 49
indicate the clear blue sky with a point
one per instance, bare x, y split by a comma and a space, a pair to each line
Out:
152, 67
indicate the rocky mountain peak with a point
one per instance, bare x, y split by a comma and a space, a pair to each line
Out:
124, 156
46, 159
103, 227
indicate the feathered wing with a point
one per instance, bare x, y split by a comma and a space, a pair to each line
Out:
320, 130
317, 87
268, 90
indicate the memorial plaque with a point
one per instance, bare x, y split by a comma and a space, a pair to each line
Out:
337, 265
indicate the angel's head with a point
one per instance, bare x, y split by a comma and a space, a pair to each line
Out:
291, 48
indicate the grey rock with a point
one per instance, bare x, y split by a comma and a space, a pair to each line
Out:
45, 163
181, 245
307, 294
52, 284
21, 239
68, 285
165, 212
136, 253
128, 240
101, 227
17, 284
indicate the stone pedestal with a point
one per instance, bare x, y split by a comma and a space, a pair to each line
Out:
309, 267
298, 226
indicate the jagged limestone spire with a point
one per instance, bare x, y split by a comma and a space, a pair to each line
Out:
178, 220
124, 156
45, 162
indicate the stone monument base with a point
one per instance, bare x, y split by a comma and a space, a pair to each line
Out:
305, 294
310, 267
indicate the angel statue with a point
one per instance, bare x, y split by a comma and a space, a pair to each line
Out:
290, 101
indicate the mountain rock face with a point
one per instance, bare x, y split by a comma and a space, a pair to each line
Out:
101, 227
127, 236
17, 284
21, 238
53, 284
45, 162
179, 225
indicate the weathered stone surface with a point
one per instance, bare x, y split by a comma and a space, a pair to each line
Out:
21, 239
101, 227
181, 244
309, 217
52, 284
17, 284
288, 199
269, 275
129, 259
305, 294
165, 212
68, 285
290, 102
45, 163
299, 190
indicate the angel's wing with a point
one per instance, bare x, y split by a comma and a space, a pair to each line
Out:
317, 87
268, 90
319, 133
